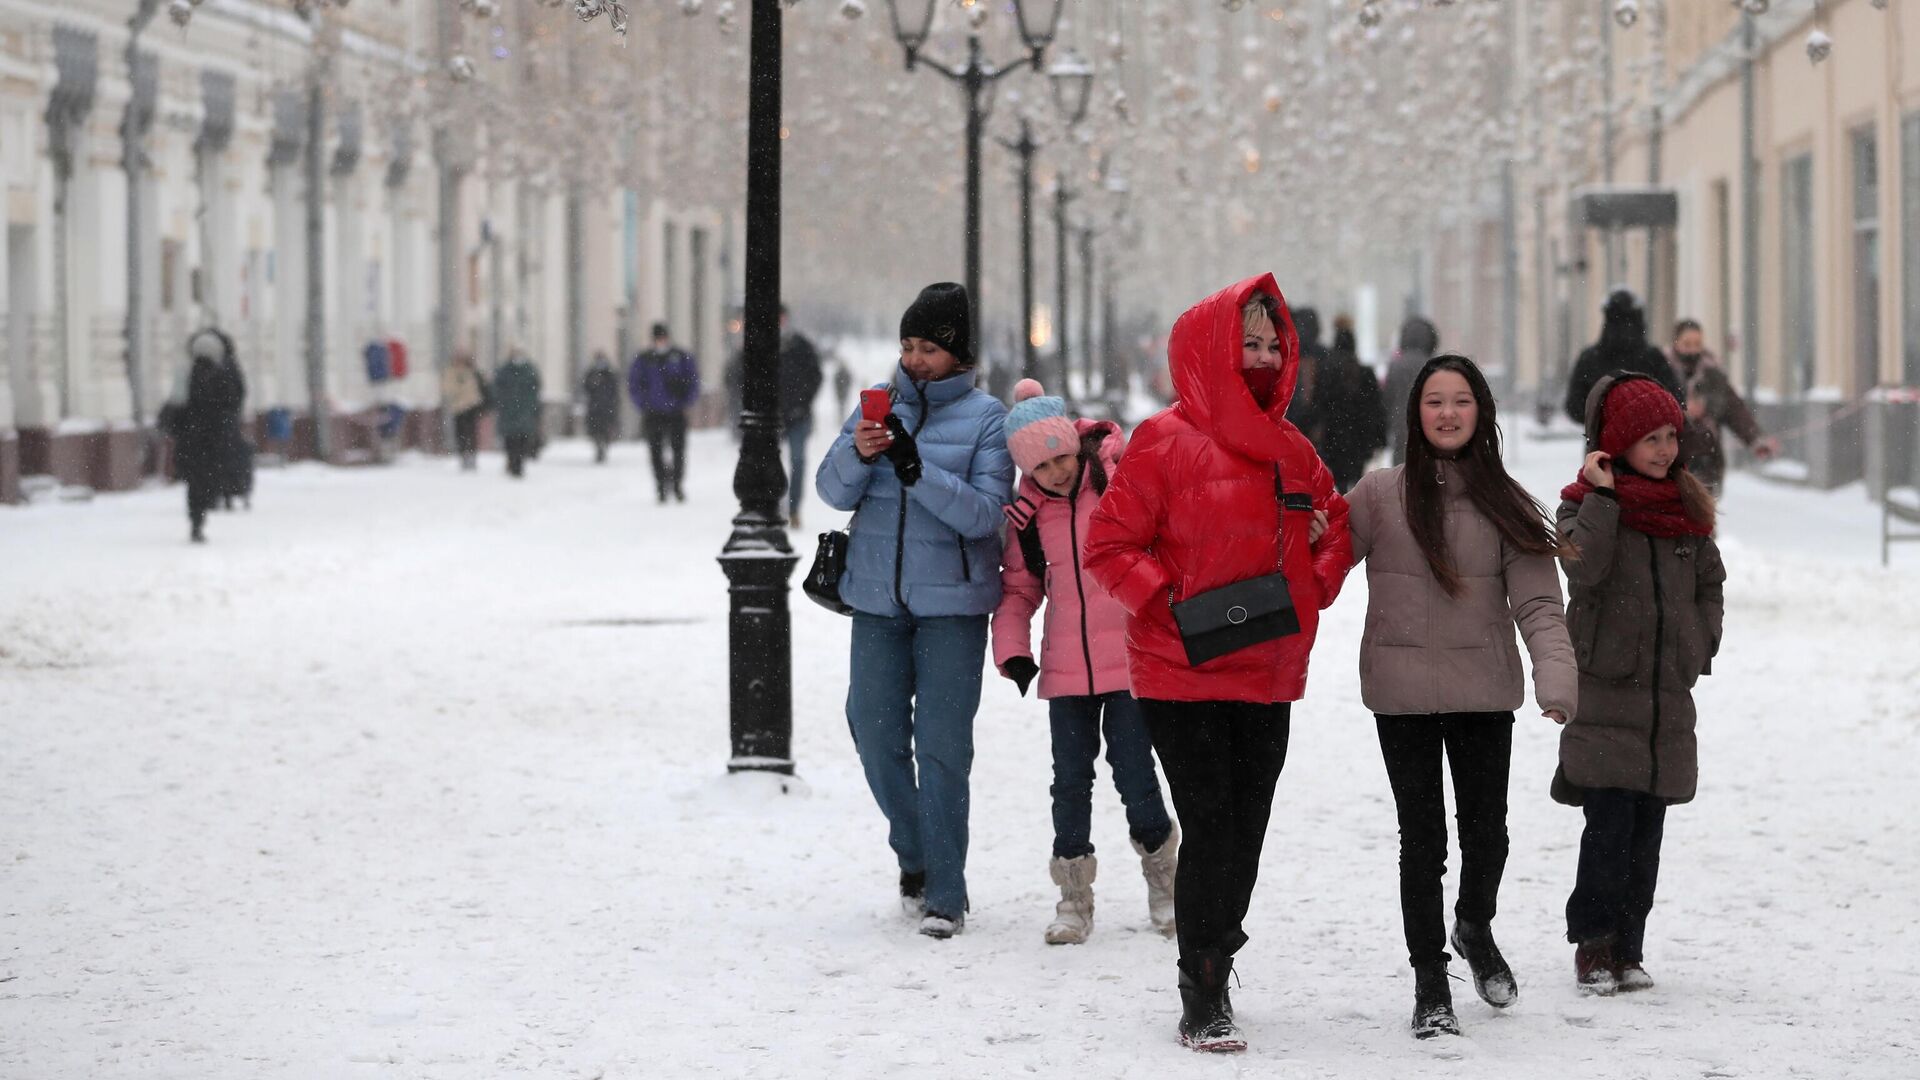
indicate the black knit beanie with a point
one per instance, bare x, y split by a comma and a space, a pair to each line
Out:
940, 315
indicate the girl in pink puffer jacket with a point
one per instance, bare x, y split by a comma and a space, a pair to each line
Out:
1083, 655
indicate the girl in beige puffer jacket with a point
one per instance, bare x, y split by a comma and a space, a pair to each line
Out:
1457, 555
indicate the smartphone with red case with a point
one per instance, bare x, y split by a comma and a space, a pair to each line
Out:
875, 405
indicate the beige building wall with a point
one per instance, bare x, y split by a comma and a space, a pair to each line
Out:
1867, 87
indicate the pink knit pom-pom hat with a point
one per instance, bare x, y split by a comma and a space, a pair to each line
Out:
1038, 427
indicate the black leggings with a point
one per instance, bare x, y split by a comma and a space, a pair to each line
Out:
1478, 749
1222, 760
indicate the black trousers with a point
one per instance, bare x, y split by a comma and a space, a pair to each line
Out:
667, 435
519, 449
1222, 760
203, 492
466, 434
1479, 750
1619, 867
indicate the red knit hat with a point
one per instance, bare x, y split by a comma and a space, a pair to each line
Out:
1634, 409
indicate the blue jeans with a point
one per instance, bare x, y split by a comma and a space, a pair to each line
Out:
797, 435
915, 686
1076, 725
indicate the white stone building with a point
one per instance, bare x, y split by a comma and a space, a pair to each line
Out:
539, 250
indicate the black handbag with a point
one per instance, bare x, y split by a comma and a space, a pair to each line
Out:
822, 582
1232, 617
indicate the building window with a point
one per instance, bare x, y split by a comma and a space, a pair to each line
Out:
1864, 151
1796, 277
1910, 243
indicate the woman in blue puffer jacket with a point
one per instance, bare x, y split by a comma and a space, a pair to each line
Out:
923, 574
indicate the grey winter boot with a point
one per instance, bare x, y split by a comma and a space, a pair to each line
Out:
1073, 915
1158, 867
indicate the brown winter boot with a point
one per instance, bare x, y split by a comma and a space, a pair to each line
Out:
1593, 967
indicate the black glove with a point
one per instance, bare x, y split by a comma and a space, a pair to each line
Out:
1021, 669
902, 452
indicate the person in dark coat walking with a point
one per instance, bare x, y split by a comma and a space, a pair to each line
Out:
601, 388
1303, 412
1353, 421
1712, 404
1419, 343
205, 427
842, 386
516, 388
1645, 602
664, 382
800, 379
1622, 346
236, 474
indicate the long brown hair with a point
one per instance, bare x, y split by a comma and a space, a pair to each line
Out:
1695, 499
1519, 517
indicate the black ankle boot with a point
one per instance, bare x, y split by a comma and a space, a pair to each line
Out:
1433, 1002
1492, 978
1206, 1018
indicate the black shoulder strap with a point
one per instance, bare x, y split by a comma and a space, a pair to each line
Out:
1030, 547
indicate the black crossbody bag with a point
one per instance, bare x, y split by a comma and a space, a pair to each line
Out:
1232, 617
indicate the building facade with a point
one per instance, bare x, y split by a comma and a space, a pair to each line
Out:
1812, 301
158, 179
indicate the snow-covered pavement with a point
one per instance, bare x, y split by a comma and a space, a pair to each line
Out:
411, 773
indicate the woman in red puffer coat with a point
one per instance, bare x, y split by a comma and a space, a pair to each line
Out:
1220, 489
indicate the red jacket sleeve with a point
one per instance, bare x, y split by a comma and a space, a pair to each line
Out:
1118, 548
1333, 555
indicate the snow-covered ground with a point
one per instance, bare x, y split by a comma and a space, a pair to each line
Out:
411, 773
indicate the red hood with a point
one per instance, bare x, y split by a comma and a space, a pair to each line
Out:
1204, 354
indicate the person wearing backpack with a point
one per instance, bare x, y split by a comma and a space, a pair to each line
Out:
1083, 656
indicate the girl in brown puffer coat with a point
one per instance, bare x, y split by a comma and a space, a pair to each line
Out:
1457, 556
1644, 609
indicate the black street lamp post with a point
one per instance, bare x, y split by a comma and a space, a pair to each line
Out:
1085, 236
757, 558
1062, 195
912, 22
1026, 148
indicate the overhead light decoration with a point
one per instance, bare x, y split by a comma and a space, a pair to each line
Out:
1819, 46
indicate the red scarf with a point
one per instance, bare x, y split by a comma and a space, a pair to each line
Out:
1649, 506
1263, 384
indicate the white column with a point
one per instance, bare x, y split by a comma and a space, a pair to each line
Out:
351, 326
289, 287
